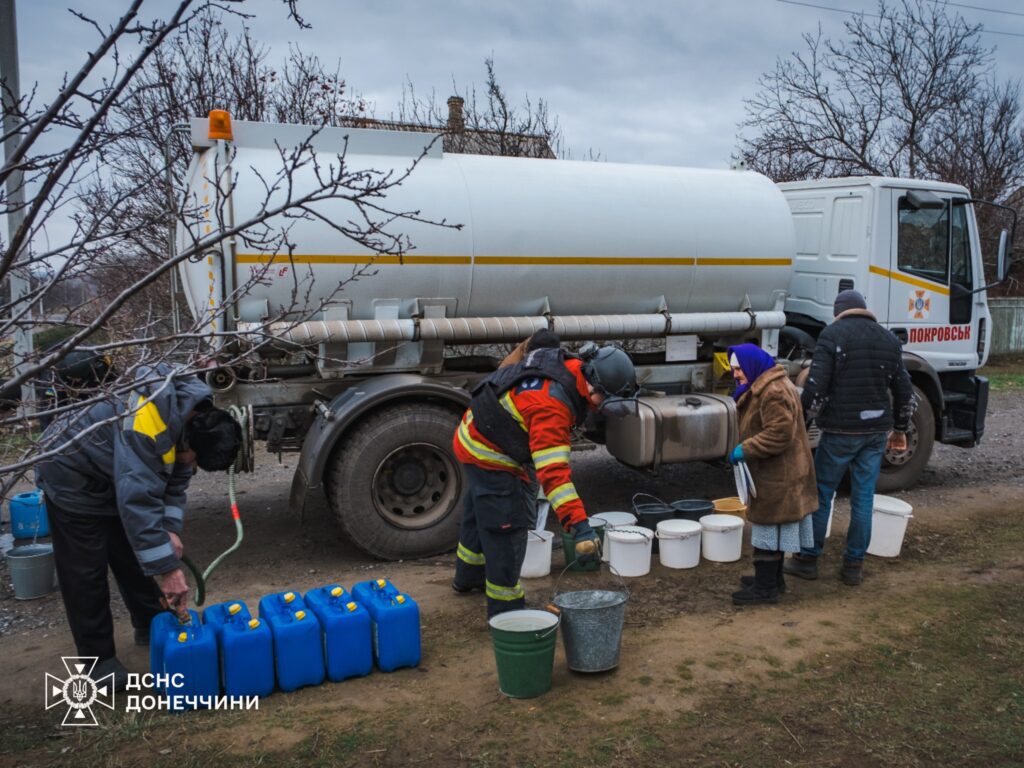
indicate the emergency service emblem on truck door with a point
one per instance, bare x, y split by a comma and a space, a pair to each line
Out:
919, 305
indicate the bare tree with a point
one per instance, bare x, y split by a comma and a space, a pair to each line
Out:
204, 66
908, 91
93, 163
486, 125
899, 96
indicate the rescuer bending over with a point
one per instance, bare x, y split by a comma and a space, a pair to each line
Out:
523, 414
116, 497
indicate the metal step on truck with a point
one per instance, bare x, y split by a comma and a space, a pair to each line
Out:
365, 360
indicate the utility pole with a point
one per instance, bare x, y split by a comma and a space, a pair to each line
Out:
19, 284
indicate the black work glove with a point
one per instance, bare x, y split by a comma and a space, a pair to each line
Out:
586, 543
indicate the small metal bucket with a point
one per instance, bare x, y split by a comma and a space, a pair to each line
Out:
32, 571
592, 622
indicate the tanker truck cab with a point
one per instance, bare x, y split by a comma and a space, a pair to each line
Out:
912, 248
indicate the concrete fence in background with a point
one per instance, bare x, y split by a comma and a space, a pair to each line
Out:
1007, 326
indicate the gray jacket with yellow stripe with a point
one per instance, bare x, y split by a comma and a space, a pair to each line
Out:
126, 465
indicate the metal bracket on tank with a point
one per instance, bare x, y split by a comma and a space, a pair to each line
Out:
666, 313
745, 306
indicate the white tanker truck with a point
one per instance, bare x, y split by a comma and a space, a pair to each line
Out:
368, 381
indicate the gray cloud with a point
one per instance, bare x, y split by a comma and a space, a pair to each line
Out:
640, 81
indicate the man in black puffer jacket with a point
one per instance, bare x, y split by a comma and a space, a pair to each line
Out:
857, 364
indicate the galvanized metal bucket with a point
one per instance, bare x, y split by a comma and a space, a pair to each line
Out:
32, 571
592, 622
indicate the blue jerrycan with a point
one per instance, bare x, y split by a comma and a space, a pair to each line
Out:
246, 649
186, 655
396, 624
28, 515
298, 648
346, 632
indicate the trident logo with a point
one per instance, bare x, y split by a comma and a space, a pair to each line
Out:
78, 691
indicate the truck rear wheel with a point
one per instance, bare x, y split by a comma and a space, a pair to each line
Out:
394, 483
901, 470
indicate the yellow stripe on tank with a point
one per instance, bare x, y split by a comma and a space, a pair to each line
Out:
506, 261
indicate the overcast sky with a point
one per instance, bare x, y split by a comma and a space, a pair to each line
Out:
639, 81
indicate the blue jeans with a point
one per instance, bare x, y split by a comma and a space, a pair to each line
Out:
863, 455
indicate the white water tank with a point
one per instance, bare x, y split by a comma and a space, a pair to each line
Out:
568, 237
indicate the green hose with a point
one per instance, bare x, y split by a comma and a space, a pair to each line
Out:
200, 596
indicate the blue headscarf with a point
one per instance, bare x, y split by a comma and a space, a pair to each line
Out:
753, 362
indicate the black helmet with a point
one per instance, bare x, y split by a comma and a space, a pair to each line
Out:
609, 370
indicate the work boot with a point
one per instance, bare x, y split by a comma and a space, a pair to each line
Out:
142, 635
802, 566
111, 666
852, 573
763, 589
461, 590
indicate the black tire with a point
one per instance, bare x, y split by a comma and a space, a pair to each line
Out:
901, 471
394, 483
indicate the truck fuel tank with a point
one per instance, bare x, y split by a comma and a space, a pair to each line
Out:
670, 429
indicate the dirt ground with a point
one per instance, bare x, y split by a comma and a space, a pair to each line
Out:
919, 666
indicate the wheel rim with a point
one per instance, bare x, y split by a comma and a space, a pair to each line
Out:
415, 486
899, 458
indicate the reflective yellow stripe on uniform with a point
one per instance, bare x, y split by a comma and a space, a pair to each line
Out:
505, 593
147, 419
558, 454
171, 455
468, 556
561, 495
508, 405
480, 451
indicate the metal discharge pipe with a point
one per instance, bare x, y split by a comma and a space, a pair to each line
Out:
478, 330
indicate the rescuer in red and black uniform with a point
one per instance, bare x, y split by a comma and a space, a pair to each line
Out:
523, 414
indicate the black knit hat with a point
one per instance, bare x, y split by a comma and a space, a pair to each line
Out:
215, 437
848, 300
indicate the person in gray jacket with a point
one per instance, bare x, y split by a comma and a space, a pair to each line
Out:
115, 497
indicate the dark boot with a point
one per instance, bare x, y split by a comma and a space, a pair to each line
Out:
763, 589
852, 573
780, 581
803, 566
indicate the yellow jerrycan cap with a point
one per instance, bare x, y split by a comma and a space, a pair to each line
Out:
234, 608
183, 637
289, 597
254, 623
381, 583
337, 592
351, 606
300, 615
400, 599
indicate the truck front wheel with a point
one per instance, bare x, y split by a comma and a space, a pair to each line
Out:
394, 483
901, 470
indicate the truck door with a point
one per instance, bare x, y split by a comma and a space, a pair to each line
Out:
931, 280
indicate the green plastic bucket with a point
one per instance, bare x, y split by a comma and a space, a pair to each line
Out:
524, 649
569, 548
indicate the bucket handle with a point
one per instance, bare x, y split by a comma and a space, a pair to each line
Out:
535, 533
555, 593
649, 496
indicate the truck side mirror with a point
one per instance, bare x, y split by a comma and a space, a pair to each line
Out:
1001, 265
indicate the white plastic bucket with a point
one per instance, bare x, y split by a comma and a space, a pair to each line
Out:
680, 543
721, 539
537, 562
631, 550
889, 519
612, 520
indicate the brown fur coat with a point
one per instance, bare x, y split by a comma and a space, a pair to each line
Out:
774, 438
